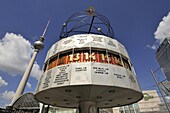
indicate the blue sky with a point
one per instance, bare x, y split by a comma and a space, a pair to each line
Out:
140, 25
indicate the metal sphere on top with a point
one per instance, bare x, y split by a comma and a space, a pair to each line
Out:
39, 45
91, 11
87, 22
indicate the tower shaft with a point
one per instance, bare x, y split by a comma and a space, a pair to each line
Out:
24, 80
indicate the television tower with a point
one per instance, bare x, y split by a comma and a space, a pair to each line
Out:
38, 45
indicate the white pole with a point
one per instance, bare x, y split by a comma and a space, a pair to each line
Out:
24, 80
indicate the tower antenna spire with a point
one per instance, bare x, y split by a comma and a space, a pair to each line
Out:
45, 30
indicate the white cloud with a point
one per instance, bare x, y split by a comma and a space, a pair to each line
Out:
162, 32
15, 55
2, 82
29, 85
154, 46
8, 95
151, 47
163, 29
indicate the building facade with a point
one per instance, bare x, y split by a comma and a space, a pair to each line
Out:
149, 104
163, 57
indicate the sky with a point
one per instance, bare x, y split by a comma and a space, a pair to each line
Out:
140, 25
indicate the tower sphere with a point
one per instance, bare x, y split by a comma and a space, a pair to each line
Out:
38, 45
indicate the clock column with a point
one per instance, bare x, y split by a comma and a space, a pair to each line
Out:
88, 107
